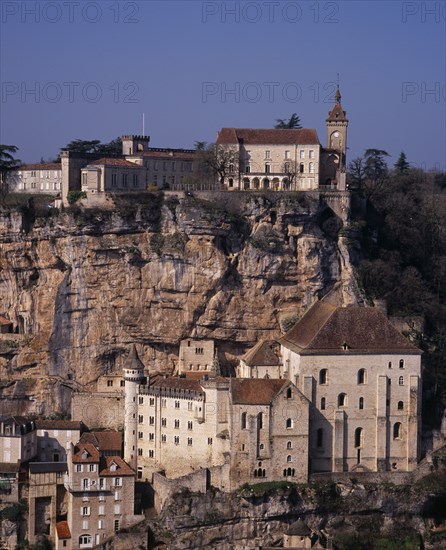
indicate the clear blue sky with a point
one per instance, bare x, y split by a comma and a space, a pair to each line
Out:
96, 66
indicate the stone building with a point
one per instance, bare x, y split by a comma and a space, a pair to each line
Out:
363, 380
112, 175
262, 361
100, 495
288, 159
54, 437
36, 178
198, 356
18, 439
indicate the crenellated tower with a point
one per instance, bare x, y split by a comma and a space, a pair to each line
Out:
133, 377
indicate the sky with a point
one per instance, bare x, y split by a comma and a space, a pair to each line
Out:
80, 69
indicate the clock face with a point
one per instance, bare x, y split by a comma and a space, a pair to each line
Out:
336, 134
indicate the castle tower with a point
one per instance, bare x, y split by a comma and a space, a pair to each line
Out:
133, 376
132, 145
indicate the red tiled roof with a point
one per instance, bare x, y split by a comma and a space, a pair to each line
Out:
49, 166
262, 354
63, 530
122, 468
59, 424
93, 453
327, 329
114, 162
255, 391
109, 441
252, 136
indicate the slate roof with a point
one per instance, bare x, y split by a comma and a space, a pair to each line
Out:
177, 383
255, 391
326, 329
262, 354
43, 467
9, 467
133, 362
122, 468
166, 155
63, 530
253, 136
337, 110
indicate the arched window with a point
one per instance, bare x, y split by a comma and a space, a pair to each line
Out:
289, 445
323, 404
397, 430
362, 378
289, 423
320, 437
401, 363
288, 458
390, 364
401, 380
361, 403
85, 540
231, 182
323, 376
289, 393
400, 405
342, 400
243, 421
358, 437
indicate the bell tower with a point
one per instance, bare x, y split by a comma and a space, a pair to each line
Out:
133, 377
337, 127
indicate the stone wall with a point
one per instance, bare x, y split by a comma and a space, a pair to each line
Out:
99, 410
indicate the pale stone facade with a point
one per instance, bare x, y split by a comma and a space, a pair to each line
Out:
112, 175
36, 178
262, 361
54, 437
18, 439
287, 159
197, 356
363, 380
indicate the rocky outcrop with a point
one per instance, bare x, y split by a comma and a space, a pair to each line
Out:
80, 286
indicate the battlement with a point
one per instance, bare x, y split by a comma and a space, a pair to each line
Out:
135, 137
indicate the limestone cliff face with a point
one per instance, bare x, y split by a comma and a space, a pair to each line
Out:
82, 285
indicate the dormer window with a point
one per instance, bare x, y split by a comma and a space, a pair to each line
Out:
345, 346
85, 454
113, 467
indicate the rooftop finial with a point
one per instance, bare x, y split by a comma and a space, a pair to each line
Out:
338, 93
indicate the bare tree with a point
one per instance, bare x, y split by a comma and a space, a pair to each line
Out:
222, 161
289, 168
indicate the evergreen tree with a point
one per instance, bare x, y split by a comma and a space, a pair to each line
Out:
293, 123
401, 165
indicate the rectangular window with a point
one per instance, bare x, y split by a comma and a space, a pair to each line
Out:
140, 418
164, 165
114, 180
101, 524
155, 165
151, 437
177, 404
163, 438
140, 435
124, 180
117, 482
190, 406
267, 154
109, 383
173, 166
85, 524
141, 400
85, 510
302, 154
117, 495
101, 499
151, 453
92, 467
78, 467
85, 483
189, 441
267, 169
176, 440
163, 422
163, 402
135, 180
117, 509
209, 440
311, 154
177, 424
102, 483
152, 401
287, 154
116, 525
189, 425
151, 420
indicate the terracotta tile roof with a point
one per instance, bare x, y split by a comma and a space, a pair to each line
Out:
255, 391
93, 453
253, 136
49, 166
353, 329
196, 374
262, 354
4, 321
59, 425
109, 441
63, 530
122, 468
114, 162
